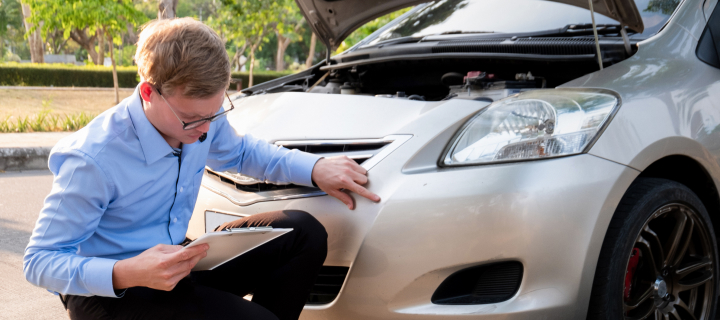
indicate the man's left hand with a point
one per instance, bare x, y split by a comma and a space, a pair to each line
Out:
334, 174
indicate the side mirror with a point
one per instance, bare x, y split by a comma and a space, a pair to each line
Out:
708, 49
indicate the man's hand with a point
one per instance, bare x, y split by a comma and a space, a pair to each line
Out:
336, 173
160, 267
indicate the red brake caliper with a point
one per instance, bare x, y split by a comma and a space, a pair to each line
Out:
632, 264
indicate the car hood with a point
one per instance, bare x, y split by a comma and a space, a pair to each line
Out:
333, 21
312, 116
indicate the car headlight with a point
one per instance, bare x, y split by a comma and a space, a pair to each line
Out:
533, 125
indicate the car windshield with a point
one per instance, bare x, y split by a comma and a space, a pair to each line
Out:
513, 16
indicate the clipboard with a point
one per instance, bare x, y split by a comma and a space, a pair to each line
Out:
229, 244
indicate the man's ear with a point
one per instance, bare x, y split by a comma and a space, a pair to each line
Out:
146, 90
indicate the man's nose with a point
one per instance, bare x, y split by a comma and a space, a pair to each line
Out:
205, 127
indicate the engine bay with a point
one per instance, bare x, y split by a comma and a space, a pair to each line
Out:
450, 75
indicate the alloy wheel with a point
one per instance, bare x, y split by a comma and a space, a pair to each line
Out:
671, 267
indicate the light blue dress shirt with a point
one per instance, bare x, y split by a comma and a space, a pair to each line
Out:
119, 190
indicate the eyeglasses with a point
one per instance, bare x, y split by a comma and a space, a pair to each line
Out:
197, 123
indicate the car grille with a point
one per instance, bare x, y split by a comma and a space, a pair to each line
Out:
243, 190
229, 178
359, 150
328, 285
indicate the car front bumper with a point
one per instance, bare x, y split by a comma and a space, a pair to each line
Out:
550, 215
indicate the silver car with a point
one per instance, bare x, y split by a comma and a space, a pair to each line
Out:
535, 159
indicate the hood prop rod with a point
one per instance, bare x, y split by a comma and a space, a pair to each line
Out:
597, 42
626, 41
327, 56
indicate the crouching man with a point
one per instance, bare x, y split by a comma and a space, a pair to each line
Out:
107, 239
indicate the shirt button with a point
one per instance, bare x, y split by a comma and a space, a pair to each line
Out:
181, 189
175, 220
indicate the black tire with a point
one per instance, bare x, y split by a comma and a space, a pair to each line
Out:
653, 217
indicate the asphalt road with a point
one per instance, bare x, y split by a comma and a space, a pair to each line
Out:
21, 198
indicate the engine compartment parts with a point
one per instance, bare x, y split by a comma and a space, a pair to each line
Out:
479, 84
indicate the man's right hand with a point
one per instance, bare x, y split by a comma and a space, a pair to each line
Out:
160, 267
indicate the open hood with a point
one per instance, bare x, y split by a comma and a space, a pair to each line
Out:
333, 20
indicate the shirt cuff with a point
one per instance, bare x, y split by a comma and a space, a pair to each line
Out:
98, 277
303, 164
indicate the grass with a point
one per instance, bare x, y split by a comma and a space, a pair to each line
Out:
44, 121
23, 103
48, 110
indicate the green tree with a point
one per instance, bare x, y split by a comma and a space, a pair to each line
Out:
10, 22
248, 22
369, 28
289, 23
107, 19
666, 7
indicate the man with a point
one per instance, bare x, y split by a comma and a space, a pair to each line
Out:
108, 236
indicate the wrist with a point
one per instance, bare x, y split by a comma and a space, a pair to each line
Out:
121, 277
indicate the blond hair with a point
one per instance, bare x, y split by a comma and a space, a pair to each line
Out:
185, 54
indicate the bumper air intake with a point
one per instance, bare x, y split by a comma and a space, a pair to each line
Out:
480, 285
328, 285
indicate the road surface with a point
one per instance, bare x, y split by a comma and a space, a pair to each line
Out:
21, 198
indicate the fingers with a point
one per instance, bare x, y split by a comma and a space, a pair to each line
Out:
187, 253
344, 197
355, 166
166, 248
363, 192
171, 282
180, 270
185, 265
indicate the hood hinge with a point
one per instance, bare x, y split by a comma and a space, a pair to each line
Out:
597, 42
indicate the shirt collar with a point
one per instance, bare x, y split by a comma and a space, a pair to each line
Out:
154, 146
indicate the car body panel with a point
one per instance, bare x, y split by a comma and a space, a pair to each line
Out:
670, 100
333, 21
308, 116
467, 220
708, 8
551, 215
345, 228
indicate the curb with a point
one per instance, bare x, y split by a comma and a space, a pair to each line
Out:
21, 159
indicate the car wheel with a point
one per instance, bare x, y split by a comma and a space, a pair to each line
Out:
659, 257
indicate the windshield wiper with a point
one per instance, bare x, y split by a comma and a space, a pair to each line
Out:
569, 30
392, 41
411, 39
577, 30
463, 32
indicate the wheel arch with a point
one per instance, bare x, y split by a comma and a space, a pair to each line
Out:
690, 173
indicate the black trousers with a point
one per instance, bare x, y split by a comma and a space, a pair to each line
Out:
279, 274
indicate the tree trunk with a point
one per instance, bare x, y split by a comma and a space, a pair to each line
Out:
88, 43
311, 54
101, 48
283, 43
35, 41
235, 60
114, 73
131, 36
238, 53
252, 65
166, 9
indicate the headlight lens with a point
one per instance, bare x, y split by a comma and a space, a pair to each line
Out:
532, 125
